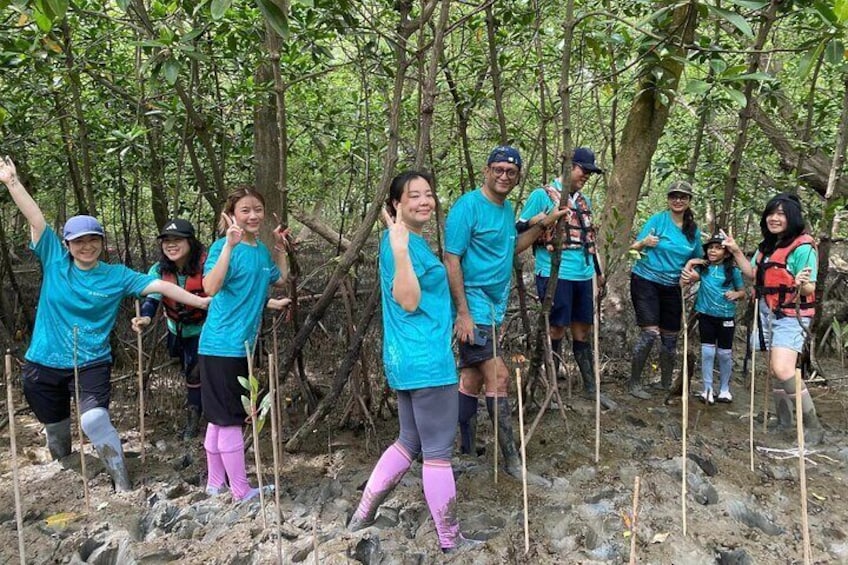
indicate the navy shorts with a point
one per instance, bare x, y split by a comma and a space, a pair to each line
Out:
716, 330
49, 391
220, 389
656, 304
482, 349
572, 301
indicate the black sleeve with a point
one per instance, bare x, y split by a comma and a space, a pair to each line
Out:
149, 307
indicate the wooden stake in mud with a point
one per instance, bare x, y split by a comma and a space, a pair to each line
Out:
140, 346
273, 385
495, 400
802, 469
633, 521
685, 420
19, 520
596, 359
253, 416
753, 382
79, 422
523, 459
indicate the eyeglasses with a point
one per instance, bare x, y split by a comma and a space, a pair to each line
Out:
500, 171
679, 196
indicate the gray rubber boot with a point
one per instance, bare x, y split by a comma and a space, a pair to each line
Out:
104, 437
784, 409
668, 359
115, 466
813, 430
641, 351
58, 438
192, 422
506, 441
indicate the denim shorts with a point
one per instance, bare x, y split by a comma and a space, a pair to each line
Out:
784, 332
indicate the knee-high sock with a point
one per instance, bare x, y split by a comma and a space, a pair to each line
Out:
668, 357
440, 493
556, 349
641, 351
391, 467
467, 415
214, 464
231, 448
708, 355
725, 368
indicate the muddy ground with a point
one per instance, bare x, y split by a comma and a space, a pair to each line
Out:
735, 516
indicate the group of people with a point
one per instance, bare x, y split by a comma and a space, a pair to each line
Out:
213, 301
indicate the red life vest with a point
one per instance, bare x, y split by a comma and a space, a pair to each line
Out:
578, 231
180, 313
775, 284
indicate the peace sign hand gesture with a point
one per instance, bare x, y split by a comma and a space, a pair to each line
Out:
8, 172
728, 242
398, 233
234, 232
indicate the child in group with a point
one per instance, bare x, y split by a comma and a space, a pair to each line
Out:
238, 270
419, 363
77, 308
721, 286
784, 271
181, 261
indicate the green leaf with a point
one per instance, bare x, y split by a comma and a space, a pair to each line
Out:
749, 76
697, 87
834, 52
192, 35
840, 10
737, 96
219, 8
43, 22
718, 65
750, 4
259, 425
265, 405
738, 21
245, 403
171, 70
58, 8
245, 384
808, 59
123, 4
275, 16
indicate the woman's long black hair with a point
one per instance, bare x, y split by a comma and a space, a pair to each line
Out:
399, 185
791, 207
192, 266
689, 226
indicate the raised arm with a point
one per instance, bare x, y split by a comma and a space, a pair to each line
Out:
280, 254
25, 202
214, 279
406, 290
741, 261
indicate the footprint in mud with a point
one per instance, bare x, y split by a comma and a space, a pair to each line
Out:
752, 518
482, 527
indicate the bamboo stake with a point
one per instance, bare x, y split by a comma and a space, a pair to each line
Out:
495, 400
596, 358
523, 460
753, 382
802, 469
79, 422
140, 345
685, 420
14, 446
254, 414
273, 385
633, 521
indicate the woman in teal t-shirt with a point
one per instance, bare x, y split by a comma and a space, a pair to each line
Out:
667, 241
77, 308
419, 364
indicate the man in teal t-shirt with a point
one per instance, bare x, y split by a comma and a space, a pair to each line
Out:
480, 244
573, 303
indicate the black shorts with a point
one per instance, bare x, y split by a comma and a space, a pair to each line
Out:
716, 330
572, 301
220, 389
472, 354
656, 304
49, 391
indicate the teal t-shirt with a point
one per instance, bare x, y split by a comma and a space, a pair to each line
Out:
71, 297
483, 234
235, 312
662, 264
575, 264
417, 345
711, 300
188, 330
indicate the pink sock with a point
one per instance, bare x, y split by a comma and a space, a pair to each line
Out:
391, 467
231, 448
214, 464
440, 493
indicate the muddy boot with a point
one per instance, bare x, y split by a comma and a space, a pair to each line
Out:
583, 358
641, 351
467, 424
506, 441
783, 409
192, 422
104, 437
813, 430
58, 438
668, 358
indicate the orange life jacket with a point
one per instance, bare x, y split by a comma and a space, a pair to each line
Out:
578, 231
178, 312
775, 284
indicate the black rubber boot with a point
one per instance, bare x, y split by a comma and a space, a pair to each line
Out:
467, 424
668, 359
641, 351
506, 441
58, 438
192, 422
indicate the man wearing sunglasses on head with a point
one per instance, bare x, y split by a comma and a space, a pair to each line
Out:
480, 243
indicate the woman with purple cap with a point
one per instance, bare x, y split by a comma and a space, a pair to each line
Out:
181, 259
77, 308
